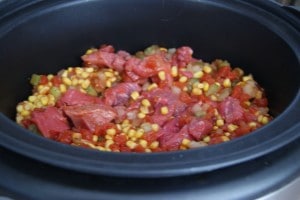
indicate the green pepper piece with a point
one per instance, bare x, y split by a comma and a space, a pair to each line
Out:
35, 79
55, 92
91, 91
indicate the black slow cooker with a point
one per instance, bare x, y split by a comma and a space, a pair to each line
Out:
45, 36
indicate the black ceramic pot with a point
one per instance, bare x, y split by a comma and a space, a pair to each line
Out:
45, 36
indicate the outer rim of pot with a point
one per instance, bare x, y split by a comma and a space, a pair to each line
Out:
165, 164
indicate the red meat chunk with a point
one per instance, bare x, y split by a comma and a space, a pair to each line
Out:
120, 94
90, 116
75, 97
231, 110
49, 120
182, 56
105, 56
198, 128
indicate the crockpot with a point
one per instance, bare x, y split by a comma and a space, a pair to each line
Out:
43, 37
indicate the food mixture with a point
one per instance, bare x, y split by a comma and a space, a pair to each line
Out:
155, 100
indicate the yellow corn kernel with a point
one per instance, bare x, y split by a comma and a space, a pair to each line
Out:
146, 103
227, 83
143, 143
101, 148
232, 127
108, 74
89, 69
32, 98
247, 103
265, 120
76, 137
152, 86
108, 137
50, 76
126, 129
131, 133
213, 98
62, 88
162, 75
258, 94
108, 83
259, 118
70, 69
154, 145
144, 109
164, 110
155, 127
19, 118
131, 144
247, 78
198, 74
252, 124
89, 51
183, 79
206, 139
225, 138
163, 49
64, 74
141, 115
78, 70
20, 108
43, 89
174, 71
108, 143
185, 142
220, 122
135, 95
85, 74
113, 79
227, 134
148, 150
139, 132
95, 138
205, 86
25, 113
111, 131
66, 81
44, 100
207, 68
196, 91
85, 84
200, 85
74, 82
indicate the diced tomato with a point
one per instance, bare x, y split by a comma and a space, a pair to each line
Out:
262, 102
208, 78
56, 81
242, 129
120, 139
43, 80
65, 137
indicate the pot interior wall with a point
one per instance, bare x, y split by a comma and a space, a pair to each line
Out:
56, 38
